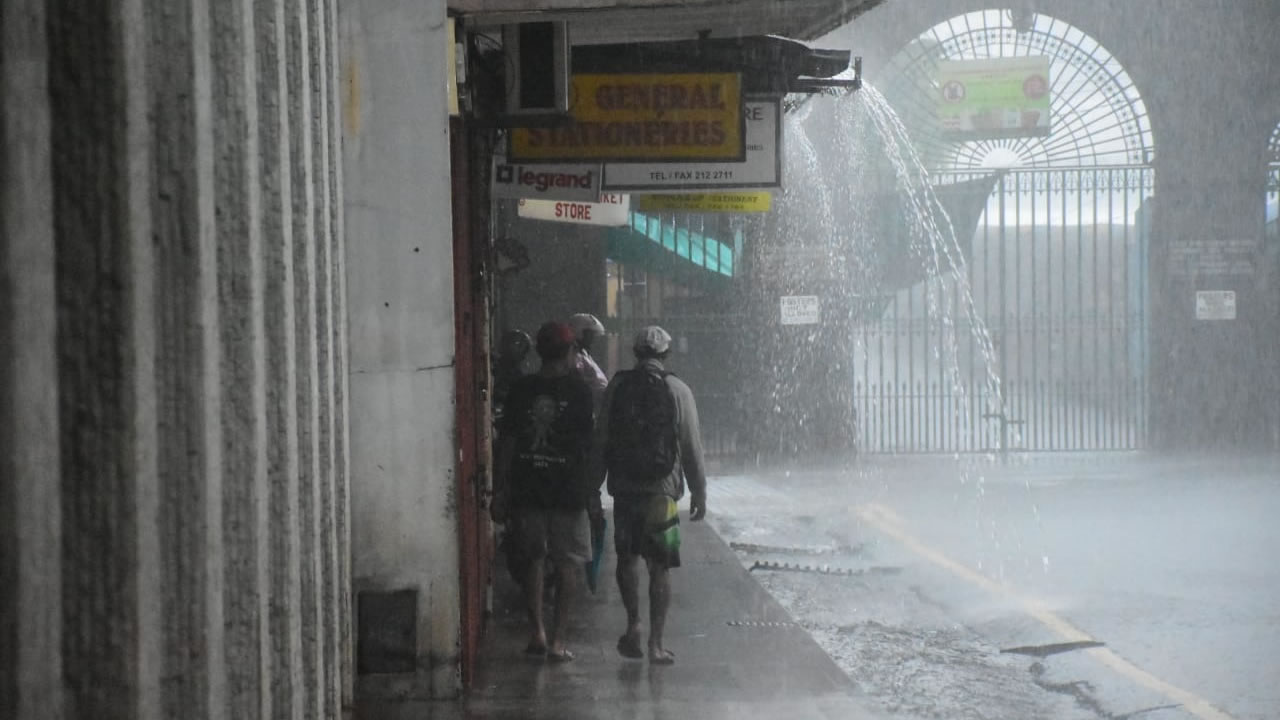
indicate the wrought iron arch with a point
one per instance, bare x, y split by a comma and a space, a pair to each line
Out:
1098, 116
1273, 146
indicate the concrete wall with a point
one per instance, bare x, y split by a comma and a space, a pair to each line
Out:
400, 305
172, 361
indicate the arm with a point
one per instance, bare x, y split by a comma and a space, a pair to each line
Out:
501, 473
596, 467
506, 452
691, 453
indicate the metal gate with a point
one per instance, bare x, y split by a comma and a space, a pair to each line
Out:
1057, 275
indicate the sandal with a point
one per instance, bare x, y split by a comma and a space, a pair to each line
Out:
563, 656
629, 647
662, 657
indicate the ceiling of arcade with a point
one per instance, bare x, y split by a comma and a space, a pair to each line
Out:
614, 21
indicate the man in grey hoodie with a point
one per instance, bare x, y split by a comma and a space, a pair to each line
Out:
647, 443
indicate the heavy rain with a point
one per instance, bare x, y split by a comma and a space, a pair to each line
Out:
885, 359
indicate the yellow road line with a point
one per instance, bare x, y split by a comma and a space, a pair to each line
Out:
888, 522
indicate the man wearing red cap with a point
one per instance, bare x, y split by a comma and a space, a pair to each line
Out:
540, 479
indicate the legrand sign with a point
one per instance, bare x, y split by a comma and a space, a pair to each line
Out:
994, 98
762, 167
725, 202
643, 118
611, 209
580, 183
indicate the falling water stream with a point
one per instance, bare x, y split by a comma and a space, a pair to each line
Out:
828, 203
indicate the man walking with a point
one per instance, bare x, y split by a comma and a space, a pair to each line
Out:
586, 328
540, 475
647, 442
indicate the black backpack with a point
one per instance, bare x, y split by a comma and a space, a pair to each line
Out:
642, 441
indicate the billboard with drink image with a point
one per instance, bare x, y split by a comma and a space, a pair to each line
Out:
993, 98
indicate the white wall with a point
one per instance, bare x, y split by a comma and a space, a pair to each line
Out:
400, 310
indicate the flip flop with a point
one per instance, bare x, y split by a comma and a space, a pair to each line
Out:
662, 657
563, 656
629, 647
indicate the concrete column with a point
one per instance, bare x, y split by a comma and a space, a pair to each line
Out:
187, 357
102, 248
240, 307
341, 469
321, 87
30, 518
276, 181
298, 35
404, 526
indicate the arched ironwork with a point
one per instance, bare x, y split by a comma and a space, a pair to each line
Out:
1273, 146
1098, 116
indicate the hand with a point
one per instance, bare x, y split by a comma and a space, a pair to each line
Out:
697, 507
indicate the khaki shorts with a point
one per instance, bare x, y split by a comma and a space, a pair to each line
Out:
564, 535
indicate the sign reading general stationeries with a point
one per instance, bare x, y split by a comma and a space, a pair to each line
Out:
643, 118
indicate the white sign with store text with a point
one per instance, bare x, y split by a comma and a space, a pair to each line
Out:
610, 209
1216, 305
761, 169
801, 310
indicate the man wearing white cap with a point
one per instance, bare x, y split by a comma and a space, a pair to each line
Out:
647, 443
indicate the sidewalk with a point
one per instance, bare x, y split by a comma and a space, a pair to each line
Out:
722, 670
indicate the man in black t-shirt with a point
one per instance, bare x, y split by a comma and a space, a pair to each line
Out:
540, 479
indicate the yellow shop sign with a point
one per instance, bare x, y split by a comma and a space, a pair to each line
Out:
643, 118
721, 202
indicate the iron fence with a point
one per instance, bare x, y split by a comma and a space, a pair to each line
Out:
1042, 346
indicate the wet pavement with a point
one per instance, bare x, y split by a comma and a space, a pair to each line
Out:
739, 655
916, 573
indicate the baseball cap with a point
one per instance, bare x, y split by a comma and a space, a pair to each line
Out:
585, 321
554, 340
652, 339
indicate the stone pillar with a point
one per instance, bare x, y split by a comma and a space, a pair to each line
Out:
31, 685
276, 182
242, 329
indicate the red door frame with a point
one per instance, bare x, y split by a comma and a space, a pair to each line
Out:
471, 371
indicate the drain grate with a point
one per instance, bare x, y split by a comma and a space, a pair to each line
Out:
754, 549
822, 569
763, 624
1042, 651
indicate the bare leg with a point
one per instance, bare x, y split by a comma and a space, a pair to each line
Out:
628, 574
659, 601
566, 579
533, 603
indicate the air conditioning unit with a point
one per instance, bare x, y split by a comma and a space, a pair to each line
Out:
537, 68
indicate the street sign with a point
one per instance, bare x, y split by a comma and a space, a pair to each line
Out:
801, 310
643, 117
762, 167
1215, 304
724, 202
579, 183
994, 98
610, 209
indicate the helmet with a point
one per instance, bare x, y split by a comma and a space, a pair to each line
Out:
514, 344
583, 322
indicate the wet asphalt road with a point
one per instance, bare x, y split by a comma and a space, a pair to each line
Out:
915, 573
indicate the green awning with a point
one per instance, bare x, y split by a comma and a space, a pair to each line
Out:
659, 245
